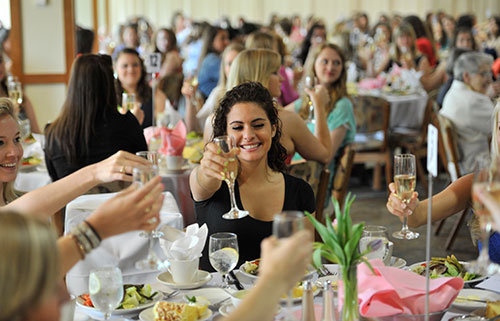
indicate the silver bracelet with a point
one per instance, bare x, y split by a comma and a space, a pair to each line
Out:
82, 239
89, 232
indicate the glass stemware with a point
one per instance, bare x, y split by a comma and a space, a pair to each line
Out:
223, 253
228, 147
142, 175
405, 180
106, 289
487, 178
128, 102
309, 83
285, 224
371, 234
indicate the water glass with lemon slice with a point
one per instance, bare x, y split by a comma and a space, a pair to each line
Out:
106, 289
223, 253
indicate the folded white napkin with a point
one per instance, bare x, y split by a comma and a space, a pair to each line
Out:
179, 245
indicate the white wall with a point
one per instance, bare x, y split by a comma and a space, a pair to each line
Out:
5, 13
160, 11
43, 53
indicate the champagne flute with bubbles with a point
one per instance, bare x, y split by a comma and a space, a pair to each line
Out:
405, 180
223, 253
128, 102
106, 289
486, 177
285, 224
309, 83
227, 146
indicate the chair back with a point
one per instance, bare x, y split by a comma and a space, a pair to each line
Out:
342, 175
449, 136
372, 115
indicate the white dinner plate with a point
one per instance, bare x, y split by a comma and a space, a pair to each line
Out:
227, 308
213, 295
148, 315
397, 262
310, 272
94, 313
479, 278
202, 277
474, 294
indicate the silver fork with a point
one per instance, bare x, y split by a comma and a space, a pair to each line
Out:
171, 294
217, 305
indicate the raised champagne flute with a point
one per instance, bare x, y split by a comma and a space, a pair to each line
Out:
285, 224
142, 175
223, 253
227, 146
405, 180
309, 83
487, 178
106, 289
128, 102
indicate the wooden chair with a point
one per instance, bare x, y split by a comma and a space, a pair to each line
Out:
371, 143
342, 175
450, 158
415, 142
317, 176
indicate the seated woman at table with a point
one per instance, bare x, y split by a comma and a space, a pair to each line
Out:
196, 119
455, 198
469, 108
132, 79
378, 60
36, 292
329, 69
26, 106
407, 56
262, 65
89, 127
247, 113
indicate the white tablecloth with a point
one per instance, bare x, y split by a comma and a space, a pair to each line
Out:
407, 111
26, 181
121, 250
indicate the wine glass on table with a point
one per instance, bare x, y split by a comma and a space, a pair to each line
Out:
106, 289
486, 178
309, 83
285, 224
142, 175
227, 146
405, 181
223, 253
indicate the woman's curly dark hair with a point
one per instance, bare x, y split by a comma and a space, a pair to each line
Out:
253, 92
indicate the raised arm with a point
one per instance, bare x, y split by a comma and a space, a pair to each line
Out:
49, 199
133, 209
282, 266
448, 202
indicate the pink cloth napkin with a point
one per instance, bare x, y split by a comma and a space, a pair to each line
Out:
151, 132
372, 83
393, 291
173, 140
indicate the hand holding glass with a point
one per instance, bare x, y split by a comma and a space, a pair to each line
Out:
309, 83
227, 146
405, 181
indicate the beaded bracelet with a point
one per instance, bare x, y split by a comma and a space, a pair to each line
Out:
79, 245
90, 233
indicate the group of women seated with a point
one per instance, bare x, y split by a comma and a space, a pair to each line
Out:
92, 143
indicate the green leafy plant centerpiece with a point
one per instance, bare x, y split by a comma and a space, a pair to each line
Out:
340, 246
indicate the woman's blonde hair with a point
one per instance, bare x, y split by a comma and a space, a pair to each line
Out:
253, 65
222, 75
405, 29
28, 264
337, 90
261, 40
7, 109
